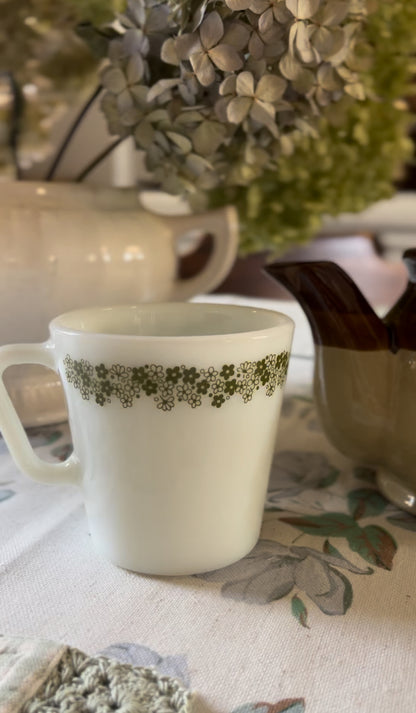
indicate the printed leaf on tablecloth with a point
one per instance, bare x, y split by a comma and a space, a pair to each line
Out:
5, 494
137, 655
293, 473
329, 479
272, 571
329, 549
374, 544
286, 705
299, 611
365, 502
331, 524
62, 452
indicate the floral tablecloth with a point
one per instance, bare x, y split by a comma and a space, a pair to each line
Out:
319, 617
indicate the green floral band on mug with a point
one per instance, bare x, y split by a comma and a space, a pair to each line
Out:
171, 385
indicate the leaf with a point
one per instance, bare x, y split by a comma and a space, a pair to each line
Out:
182, 142
322, 40
266, 20
168, 52
237, 35
187, 45
5, 494
259, 6
333, 524
286, 705
355, 90
199, 15
157, 20
290, 67
157, 115
134, 41
262, 583
374, 544
328, 79
304, 81
289, 705
207, 137
331, 550
348, 593
303, 9
256, 47
189, 117
238, 109
135, 69
330, 590
329, 479
203, 68
237, 5
333, 13
299, 611
228, 86
365, 502
196, 164
338, 41
125, 101
270, 88
160, 87
245, 84
139, 93
144, 134
113, 79
306, 52
226, 58
264, 113
211, 30
130, 117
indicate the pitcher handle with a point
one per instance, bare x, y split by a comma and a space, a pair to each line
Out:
11, 427
222, 224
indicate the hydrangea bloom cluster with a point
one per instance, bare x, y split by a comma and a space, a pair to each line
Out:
215, 93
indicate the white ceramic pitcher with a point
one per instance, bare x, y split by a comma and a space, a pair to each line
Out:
66, 245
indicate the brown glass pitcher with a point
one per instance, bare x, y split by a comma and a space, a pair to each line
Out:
365, 370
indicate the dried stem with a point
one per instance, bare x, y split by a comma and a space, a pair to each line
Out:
55, 163
101, 156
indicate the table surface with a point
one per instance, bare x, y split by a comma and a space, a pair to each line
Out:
319, 617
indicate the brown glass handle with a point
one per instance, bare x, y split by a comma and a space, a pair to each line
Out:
409, 257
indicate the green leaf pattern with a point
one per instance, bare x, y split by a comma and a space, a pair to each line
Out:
168, 386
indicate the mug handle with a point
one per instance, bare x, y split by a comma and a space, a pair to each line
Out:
222, 224
11, 427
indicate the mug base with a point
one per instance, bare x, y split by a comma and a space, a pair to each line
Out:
177, 569
397, 492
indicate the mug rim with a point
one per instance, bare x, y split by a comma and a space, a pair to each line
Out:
281, 321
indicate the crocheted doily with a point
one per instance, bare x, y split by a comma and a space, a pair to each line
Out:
40, 677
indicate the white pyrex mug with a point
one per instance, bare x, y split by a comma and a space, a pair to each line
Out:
173, 410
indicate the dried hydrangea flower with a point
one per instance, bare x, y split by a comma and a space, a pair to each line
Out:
226, 89
206, 52
246, 98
